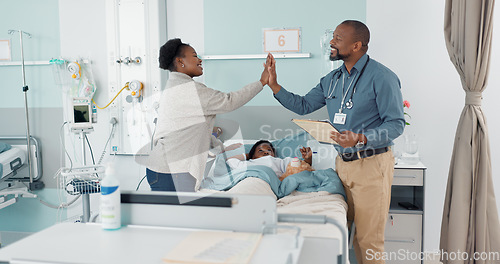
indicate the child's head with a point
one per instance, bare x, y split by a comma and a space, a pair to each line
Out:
261, 149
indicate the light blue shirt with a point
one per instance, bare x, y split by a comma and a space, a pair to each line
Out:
377, 103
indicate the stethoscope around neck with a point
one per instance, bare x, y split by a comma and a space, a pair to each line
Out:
349, 103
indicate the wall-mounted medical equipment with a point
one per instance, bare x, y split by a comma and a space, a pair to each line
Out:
81, 119
135, 87
75, 77
128, 60
137, 31
75, 70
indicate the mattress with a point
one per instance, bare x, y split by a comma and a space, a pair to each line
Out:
11, 160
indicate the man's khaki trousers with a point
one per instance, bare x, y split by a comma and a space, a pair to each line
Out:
367, 183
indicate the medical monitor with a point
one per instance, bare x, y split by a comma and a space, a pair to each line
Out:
81, 118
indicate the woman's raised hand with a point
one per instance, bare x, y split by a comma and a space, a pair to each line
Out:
273, 77
264, 77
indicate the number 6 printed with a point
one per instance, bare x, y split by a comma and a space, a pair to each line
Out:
281, 40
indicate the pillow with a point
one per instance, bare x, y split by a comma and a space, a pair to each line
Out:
290, 146
285, 147
4, 147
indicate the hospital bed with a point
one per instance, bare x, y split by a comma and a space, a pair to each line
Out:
311, 203
158, 224
14, 169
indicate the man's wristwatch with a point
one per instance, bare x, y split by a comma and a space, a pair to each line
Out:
360, 144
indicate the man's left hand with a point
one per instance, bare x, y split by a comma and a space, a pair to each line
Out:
347, 139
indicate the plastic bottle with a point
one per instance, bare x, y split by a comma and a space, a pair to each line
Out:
110, 202
295, 162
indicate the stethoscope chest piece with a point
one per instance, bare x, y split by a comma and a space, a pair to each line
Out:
348, 104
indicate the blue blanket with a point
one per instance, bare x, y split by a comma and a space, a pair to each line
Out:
305, 181
4, 147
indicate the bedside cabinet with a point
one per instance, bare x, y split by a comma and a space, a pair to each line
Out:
404, 231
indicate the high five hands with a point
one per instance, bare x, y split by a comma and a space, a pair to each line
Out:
268, 75
345, 139
264, 77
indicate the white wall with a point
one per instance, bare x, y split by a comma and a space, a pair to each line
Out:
408, 37
192, 30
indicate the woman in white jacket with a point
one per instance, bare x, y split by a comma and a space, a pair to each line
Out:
186, 118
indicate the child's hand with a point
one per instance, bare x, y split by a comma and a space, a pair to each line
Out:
306, 154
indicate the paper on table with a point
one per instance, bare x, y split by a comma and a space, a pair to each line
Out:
215, 247
318, 129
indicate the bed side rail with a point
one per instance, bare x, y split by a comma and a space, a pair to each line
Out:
318, 219
36, 154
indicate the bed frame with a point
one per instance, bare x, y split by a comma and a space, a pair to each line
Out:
230, 212
324, 151
17, 183
19, 174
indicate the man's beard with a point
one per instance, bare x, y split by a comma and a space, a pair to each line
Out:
337, 57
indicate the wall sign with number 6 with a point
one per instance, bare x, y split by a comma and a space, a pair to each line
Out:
282, 40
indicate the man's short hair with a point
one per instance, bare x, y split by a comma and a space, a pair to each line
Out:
361, 31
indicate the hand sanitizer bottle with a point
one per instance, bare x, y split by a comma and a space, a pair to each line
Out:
110, 202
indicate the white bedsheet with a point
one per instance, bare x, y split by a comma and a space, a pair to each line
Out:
314, 203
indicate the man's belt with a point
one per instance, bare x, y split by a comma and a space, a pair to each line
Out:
363, 154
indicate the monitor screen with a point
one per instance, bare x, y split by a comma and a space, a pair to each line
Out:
82, 114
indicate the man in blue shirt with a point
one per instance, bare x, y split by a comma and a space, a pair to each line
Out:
364, 103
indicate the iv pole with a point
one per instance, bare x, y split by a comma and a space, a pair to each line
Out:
25, 91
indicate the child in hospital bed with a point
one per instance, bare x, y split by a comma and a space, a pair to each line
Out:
263, 153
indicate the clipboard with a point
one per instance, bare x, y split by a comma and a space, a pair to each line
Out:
318, 129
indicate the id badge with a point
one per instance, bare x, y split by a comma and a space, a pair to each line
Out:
339, 118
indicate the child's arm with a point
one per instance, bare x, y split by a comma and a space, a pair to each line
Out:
306, 154
239, 157
232, 147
